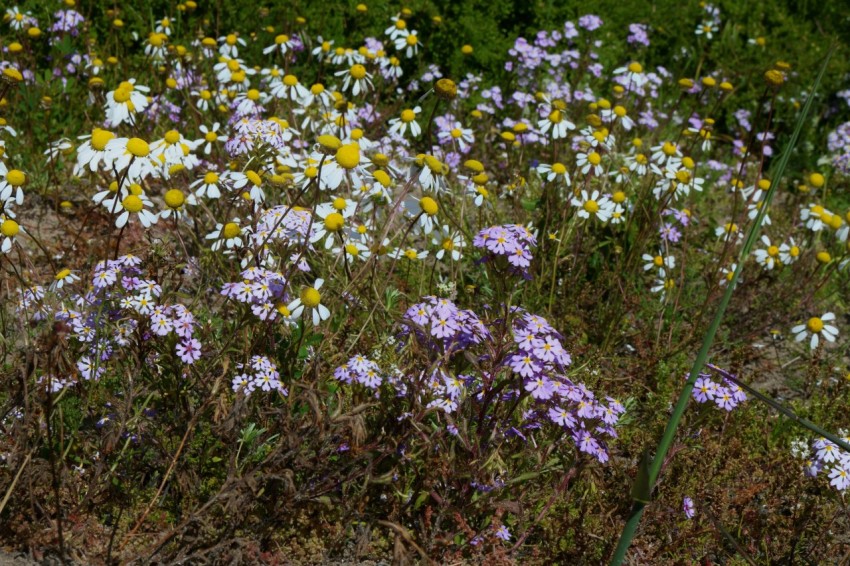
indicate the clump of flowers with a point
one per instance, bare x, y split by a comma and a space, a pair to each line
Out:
260, 373
518, 360
724, 393
824, 456
511, 244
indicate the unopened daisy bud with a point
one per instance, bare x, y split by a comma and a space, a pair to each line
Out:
816, 180
508, 136
382, 178
446, 89
330, 142
520, 127
823, 257
474, 165
12, 75
480, 179
466, 49
686, 84
774, 78
710, 82
362, 8
726, 86
593, 120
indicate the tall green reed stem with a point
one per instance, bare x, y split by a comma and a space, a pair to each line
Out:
648, 475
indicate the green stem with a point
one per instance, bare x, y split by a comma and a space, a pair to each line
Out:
648, 477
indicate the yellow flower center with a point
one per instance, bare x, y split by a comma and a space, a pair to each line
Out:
121, 95
99, 138
591, 206
310, 297
231, 230
282, 38
358, 72
429, 206
16, 178
132, 203
138, 147
635, 67
334, 222
773, 251
174, 198
63, 274
814, 324
408, 115
594, 158
339, 203
555, 116
348, 156
559, 168
9, 228
658, 261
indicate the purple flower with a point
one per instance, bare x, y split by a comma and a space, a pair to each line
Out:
688, 507
590, 22
503, 533
638, 34
669, 233
189, 351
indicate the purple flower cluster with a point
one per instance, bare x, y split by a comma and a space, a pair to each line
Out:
541, 360
531, 352
67, 21
441, 321
823, 455
638, 34
262, 289
123, 307
725, 394
362, 370
249, 133
259, 373
512, 242
838, 142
